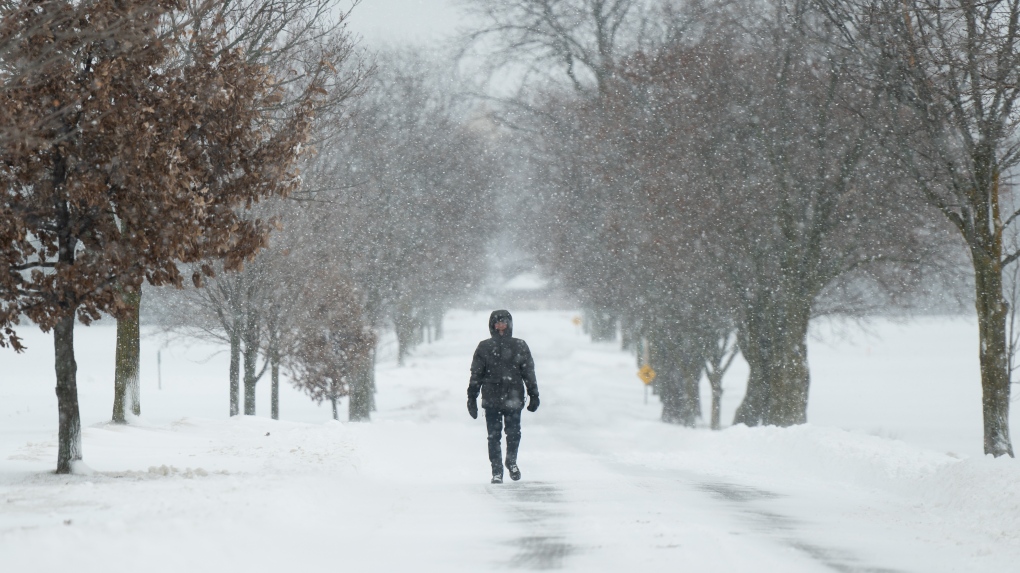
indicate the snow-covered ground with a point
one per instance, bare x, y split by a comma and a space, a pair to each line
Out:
888, 477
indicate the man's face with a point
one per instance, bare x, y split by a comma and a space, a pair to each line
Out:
501, 327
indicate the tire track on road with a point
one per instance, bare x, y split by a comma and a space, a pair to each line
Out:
539, 506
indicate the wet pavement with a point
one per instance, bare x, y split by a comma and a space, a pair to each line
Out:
744, 499
540, 508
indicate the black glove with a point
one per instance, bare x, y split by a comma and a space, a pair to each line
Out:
533, 403
473, 408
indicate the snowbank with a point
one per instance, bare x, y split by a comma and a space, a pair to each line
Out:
884, 478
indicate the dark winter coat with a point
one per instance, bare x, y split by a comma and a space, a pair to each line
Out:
501, 368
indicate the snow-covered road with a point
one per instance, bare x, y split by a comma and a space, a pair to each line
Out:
606, 486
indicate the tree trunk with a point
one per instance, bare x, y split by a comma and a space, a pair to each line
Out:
69, 427
719, 363
69, 422
775, 347
601, 325
371, 381
251, 356
751, 411
402, 347
715, 381
676, 390
359, 405
336, 412
275, 373
669, 386
126, 394
403, 325
675, 394
985, 240
991, 312
235, 368
790, 380
692, 365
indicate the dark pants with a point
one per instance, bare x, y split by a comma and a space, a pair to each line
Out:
494, 423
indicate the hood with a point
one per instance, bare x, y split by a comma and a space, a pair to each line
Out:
495, 316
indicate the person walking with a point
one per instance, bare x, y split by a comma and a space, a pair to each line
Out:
502, 368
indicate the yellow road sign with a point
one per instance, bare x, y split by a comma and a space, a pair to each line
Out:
646, 374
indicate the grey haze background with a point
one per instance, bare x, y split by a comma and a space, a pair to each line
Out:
406, 21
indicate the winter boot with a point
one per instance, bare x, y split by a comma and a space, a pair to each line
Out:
515, 472
497, 478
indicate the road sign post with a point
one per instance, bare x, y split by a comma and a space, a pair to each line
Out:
647, 376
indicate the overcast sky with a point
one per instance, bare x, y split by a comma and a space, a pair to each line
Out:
405, 21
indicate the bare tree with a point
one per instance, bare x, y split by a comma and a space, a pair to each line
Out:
255, 311
534, 47
412, 226
950, 72
720, 358
391, 206
723, 182
334, 347
303, 43
576, 40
